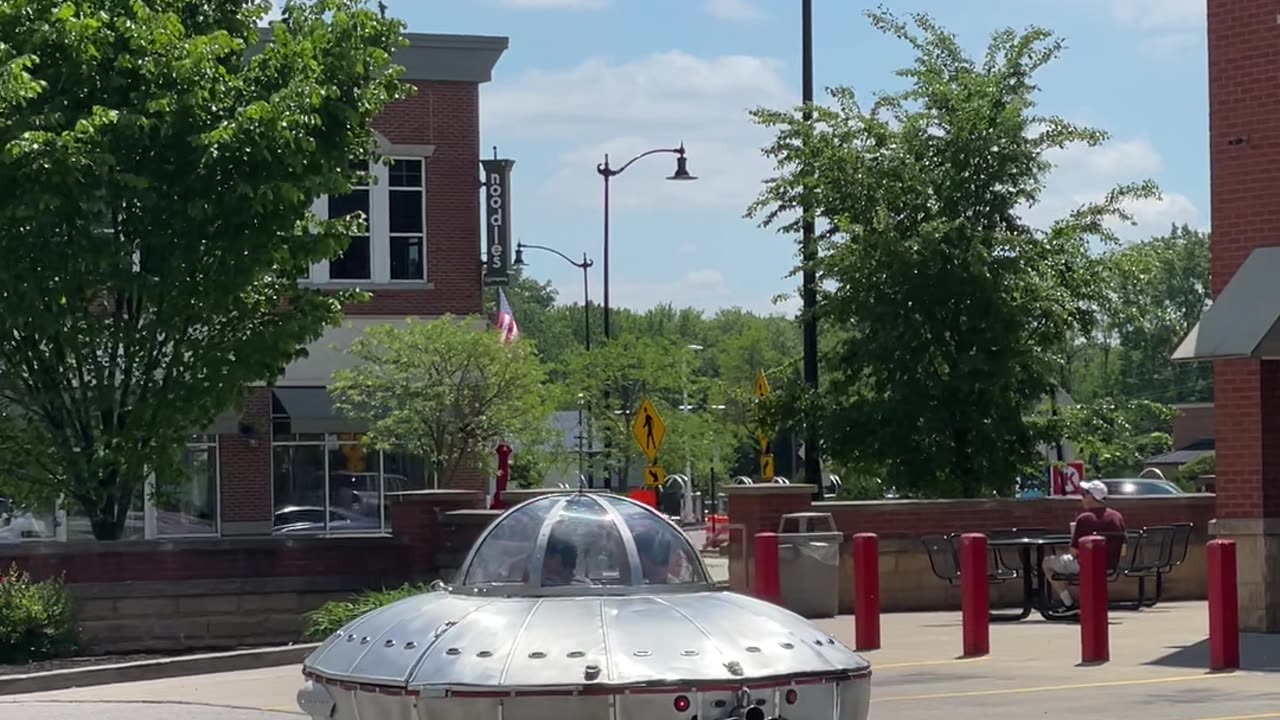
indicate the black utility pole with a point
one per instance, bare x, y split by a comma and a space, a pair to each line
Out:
809, 257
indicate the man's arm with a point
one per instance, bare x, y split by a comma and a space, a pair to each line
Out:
1079, 530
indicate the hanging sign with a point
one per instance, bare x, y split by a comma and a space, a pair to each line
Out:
497, 221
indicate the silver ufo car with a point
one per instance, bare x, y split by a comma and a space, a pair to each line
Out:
583, 606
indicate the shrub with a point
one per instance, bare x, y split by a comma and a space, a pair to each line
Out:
37, 619
330, 617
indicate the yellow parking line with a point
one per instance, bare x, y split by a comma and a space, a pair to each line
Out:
1051, 688
925, 663
1261, 716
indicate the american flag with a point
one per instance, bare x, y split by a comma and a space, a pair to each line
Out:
507, 326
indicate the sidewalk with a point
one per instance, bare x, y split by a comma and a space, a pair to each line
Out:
1159, 659
1157, 669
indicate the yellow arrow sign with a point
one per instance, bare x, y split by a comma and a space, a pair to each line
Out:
648, 429
766, 466
653, 476
762, 385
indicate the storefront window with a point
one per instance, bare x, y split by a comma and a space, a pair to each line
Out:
187, 504
333, 484
79, 529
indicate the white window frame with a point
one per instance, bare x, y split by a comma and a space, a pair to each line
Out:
421, 189
380, 222
150, 512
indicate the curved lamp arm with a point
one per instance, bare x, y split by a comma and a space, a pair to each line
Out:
606, 171
586, 262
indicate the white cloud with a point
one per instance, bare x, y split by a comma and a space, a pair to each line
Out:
660, 100
736, 10
1158, 13
555, 4
1085, 174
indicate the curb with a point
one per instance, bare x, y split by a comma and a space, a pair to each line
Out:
155, 669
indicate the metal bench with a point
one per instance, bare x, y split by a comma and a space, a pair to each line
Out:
1151, 559
944, 560
1177, 556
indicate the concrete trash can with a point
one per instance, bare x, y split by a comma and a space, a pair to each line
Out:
809, 570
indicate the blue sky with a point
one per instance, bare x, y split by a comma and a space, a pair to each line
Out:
585, 77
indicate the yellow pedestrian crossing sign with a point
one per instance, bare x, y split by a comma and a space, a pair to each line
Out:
766, 466
648, 429
653, 476
762, 385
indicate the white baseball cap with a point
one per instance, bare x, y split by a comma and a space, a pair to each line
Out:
1096, 488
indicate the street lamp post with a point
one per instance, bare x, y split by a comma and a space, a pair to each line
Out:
684, 397
608, 173
809, 255
584, 266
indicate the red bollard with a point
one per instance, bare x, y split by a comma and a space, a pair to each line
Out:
1095, 646
767, 577
1224, 607
866, 592
975, 595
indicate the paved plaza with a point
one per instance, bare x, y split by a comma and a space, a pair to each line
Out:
1157, 669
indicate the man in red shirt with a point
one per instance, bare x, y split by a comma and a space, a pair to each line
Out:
1097, 519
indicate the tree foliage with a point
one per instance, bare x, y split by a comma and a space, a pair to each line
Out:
448, 391
950, 310
159, 162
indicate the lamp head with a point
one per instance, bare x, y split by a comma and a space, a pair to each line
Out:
519, 259
682, 169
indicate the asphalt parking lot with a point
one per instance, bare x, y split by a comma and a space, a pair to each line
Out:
1157, 668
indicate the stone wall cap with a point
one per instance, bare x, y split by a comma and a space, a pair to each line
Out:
767, 489
211, 544
1244, 527
435, 494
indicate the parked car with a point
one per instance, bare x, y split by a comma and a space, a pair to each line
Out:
298, 519
1140, 486
18, 524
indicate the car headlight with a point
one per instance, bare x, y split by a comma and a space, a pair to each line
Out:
315, 701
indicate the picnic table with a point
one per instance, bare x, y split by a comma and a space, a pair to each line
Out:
1149, 553
1032, 549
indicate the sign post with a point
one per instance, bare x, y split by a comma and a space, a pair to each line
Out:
497, 214
759, 392
649, 432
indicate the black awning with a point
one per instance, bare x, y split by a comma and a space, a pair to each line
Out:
311, 410
1243, 321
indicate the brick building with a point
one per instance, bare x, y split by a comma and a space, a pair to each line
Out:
1240, 331
286, 463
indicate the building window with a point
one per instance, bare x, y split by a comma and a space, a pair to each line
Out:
392, 246
331, 484
407, 203
355, 263
187, 505
183, 503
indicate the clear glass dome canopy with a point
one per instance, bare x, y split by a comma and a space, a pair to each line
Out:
581, 544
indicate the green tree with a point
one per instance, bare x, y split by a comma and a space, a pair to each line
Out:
950, 311
611, 380
1115, 437
158, 177
1156, 291
448, 391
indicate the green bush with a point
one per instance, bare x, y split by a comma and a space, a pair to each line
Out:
37, 619
330, 617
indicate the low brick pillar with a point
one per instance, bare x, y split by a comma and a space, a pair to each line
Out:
753, 509
416, 522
